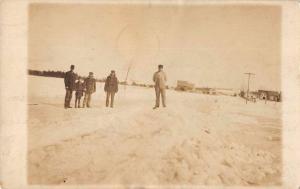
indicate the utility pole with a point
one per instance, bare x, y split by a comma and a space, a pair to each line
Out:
249, 75
128, 70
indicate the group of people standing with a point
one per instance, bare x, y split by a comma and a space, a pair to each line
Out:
86, 87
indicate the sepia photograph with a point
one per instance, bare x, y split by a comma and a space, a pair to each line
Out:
160, 94
149, 94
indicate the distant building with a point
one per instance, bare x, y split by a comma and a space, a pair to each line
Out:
184, 86
139, 84
226, 91
269, 95
150, 86
217, 91
206, 90
123, 83
253, 94
242, 94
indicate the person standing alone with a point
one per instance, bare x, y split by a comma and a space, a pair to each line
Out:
90, 88
160, 79
111, 88
69, 80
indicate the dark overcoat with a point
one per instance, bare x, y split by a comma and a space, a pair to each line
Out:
111, 84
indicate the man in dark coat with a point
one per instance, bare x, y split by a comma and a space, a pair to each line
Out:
111, 88
70, 78
90, 88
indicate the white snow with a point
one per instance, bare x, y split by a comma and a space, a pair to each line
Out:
198, 139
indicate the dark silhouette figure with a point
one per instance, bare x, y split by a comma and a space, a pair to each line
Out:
69, 79
90, 88
80, 88
111, 88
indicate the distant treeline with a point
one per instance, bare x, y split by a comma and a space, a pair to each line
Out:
58, 74
61, 74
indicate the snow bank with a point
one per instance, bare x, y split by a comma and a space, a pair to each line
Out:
198, 139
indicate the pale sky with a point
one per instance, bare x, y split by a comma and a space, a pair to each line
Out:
211, 46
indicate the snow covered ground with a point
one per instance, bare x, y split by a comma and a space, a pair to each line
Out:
197, 139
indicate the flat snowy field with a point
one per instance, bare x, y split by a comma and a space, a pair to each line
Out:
198, 139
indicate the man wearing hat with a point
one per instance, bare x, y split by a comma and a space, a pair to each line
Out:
160, 79
90, 88
69, 80
111, 88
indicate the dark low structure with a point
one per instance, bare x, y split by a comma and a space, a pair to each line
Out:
184, 86
269, 95
203, 90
